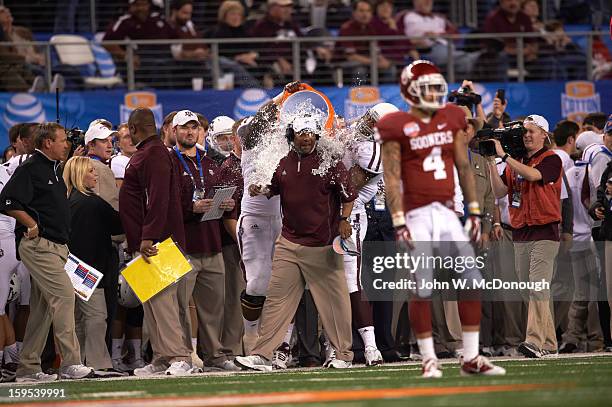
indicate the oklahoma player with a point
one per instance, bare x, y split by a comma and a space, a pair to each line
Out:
419, 151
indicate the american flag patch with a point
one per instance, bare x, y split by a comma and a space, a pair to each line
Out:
80, 271
90, 281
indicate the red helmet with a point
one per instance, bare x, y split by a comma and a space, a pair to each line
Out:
423, 86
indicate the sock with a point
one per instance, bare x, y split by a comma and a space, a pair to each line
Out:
367, 335
250, 327
194, 344
19, 346
426, 346
288, 335
116, 347
11, 354
134, 345
470, 345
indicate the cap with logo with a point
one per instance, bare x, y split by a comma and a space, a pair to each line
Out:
98, 131
183, 117
537, 120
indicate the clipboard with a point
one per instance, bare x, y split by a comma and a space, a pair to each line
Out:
221, 194
164, 269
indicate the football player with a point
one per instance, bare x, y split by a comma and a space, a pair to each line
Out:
364, 161
419, 150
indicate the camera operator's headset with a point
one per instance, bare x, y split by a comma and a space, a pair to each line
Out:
290, 133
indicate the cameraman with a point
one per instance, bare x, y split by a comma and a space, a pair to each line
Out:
498, 117
533, 186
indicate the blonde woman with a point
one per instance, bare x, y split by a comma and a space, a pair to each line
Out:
93, 223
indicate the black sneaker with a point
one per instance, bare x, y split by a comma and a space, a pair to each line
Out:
9, 373
568, 347
110, 372
529, 350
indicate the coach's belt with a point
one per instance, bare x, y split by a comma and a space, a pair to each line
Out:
507, 227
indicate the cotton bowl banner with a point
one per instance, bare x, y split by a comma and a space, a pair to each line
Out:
553, 100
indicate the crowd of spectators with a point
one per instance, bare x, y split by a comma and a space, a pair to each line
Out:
553, 56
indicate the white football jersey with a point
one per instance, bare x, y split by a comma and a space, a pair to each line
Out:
7, 224
255, 205
12, 164
368, 156
118, 165
582, 221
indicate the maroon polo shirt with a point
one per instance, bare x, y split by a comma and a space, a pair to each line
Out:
311, 204
352, 28
268, 28
202, 237
149, 203
394, 50
231, 175
497, 22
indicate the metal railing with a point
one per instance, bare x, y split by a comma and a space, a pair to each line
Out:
149, 63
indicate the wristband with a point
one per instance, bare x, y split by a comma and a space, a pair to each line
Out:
505, 157
474, 208
398, 219
497, 224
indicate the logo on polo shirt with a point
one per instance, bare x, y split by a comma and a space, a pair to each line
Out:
50, 182
8, 202
284, 172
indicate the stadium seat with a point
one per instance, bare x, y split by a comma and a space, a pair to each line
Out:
76, 51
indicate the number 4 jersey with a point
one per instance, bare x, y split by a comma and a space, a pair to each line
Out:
427, 153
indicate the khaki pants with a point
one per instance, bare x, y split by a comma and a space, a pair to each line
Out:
322, 269
207, 283
535, 262
233, 326
90, 319
161, 321
52, 301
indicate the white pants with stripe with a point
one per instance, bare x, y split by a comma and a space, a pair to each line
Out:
257, 235
352, 264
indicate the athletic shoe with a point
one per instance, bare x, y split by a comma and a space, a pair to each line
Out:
228, 366
281, 357
529, 350
149, 370
608, 349
568, 347
339, 364
39, 377
487, 351
109, 373
9, 373
253, 362
480, 366
372, 356
549, 353
76, 372
512, 352
179, 368
431, 369
330, 355
120, 366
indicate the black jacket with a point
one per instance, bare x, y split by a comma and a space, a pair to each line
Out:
605, 232
37, 187
94, 221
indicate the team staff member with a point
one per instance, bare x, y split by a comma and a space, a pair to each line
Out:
36, 197
203, 245
151, 212
533, 187
315, 210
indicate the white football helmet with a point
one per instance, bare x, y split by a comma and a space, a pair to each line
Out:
221, 125
125, 295
364, 128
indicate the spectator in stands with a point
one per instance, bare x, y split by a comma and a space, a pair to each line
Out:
360, 25
153, 62
531, 8
508, 18
420, 22
384, 24
18, 34
180, 21
93, 222
240, 59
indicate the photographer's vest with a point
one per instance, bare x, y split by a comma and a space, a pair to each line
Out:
538, 204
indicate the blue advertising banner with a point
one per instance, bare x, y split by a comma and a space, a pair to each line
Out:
553, 100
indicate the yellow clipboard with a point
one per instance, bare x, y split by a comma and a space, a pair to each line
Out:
165, 269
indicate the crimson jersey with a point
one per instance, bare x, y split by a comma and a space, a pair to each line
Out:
427, 153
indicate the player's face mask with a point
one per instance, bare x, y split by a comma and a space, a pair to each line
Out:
431, 90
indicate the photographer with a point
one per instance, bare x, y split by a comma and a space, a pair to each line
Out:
467, 96
498, 117
533, 186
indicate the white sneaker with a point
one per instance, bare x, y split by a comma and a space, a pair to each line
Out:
330, 355
253, 362
149, 370
76, 372
431, 369
180, 368
281, 357
39, 377
373, 356
339, 364
480, 366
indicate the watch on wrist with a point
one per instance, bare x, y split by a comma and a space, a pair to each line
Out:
505, 157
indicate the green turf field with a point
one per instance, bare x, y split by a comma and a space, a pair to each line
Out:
565, 382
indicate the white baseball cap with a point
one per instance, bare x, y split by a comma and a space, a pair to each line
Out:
100, 121
586, 138
537, 120
98, 131
183, 117
306, 123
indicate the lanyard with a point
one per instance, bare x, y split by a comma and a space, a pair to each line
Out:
187, 170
